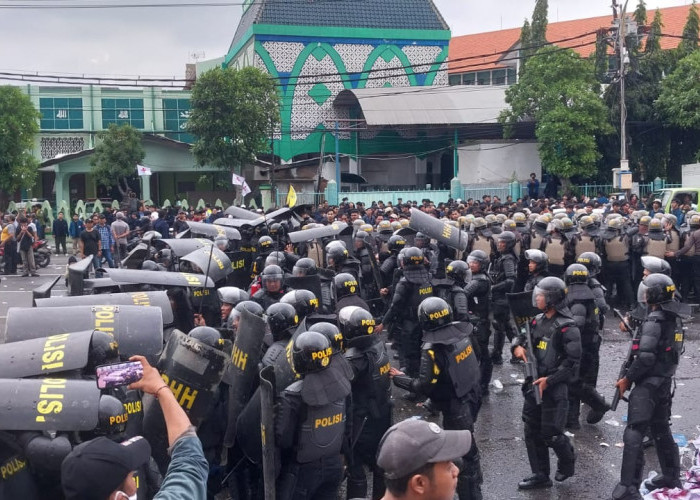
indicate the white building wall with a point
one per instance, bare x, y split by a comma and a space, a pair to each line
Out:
495, 162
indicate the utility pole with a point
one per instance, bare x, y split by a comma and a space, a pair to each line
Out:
273, 188
624, 59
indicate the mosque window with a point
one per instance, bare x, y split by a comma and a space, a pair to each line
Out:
123, 111
61, 113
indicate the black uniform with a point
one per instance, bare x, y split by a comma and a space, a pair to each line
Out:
371, 412
582, 303
478, 292
557, 348
532, 281
660, 345
449, 375
310, 427
266, 299
503, 272
410, 291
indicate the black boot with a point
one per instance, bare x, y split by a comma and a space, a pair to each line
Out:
566, 459
622, 492
534, 482
662, 481
669, 460
599, 407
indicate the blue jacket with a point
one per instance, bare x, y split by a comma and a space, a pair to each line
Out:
75, 228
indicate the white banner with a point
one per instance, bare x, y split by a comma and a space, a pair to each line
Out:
238, 180
143, 170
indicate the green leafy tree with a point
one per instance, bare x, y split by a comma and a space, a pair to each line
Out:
653, 45
19, 124
118, 151
640, 13
233, 113
538, 35
691, 31
560, 93
525, 42
679, 101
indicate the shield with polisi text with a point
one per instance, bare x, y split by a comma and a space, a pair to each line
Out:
48, 404
143, 299
213, 230
137, 330
439, 230
240, 276
212, 261
43, 356
247, 354
159, 278
317, 233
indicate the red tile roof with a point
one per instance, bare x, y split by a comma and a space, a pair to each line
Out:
485, 50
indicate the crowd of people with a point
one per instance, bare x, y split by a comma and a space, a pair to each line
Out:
539, 272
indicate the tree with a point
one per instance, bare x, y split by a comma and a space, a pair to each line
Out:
19, 124
640, 13
691, 30
117, 153
653, 45
233, 113
525, 42
538, 35
558, 90
679, 101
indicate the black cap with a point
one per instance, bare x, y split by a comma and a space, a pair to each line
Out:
409, 445
94, 469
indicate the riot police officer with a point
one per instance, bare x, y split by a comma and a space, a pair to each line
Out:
615, 245
582, 303
282, 319
272, 279
478, 292
310, 421
347, 292
457, 273
368, 265
502, 272
430, 252
449, 375
413, 288
537, 266
371, 398
660, 345
557, 349
395, 244
304, 267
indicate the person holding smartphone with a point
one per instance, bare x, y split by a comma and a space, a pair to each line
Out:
25, 239
103, 469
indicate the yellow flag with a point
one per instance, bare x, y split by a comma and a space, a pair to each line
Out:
291, 197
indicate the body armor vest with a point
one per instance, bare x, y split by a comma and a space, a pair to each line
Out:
656, 247
275, 353
616, 249
374, 394
675, 243
536, 241
479, 304
462, 366
546, 338
555, 250
321, 429
585, 244
670, 345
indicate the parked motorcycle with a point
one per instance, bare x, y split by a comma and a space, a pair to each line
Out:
42, 253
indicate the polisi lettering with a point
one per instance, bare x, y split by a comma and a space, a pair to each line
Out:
464, 354
239, 358
238, 264
118, 419
313, 302
383, 370
326, 353
579, 273
140, 299
348, 284
214, 257
671, 288
104, 318
542, 345
368, 322
439, 314
679, 337
185, 395
54, 351
132, 407
192, 279
425, 291
201, 293
328, 421
12, 467
50, 394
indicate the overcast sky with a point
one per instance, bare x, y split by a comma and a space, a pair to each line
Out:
160, 41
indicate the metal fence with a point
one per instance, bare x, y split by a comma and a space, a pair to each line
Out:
477, 192
367, 197
302, 198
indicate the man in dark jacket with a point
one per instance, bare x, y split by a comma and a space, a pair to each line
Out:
60, 231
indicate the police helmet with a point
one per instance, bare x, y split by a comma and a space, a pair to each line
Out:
232, 295
265, 244
655, 265
508, 239
566, 224
304, 267
311, 352
480, 223
479, 256
346, 284
519, 219
277, 258
111, 416
367, 228
694, 222
592, 261
271, 273
399, 257
206, 335
553, 289
405, 222
281, 318
395, 225
655, 226
542, 221
412, 257
277, 230
615, 223
336, 254
491, 220
396, 243
331, 332
659, 289
384, 226
434, 313
576, 273
362, 236
355, 322
149, 265
538, 257
104, 350
644, 220
250, 306
164, 257
670, 218
509, 225
501, 218
421, 240
303, 301
458, 270
586, 221
221, 243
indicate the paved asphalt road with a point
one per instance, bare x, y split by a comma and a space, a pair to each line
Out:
499, 430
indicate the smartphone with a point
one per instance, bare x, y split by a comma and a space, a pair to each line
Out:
118, 374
